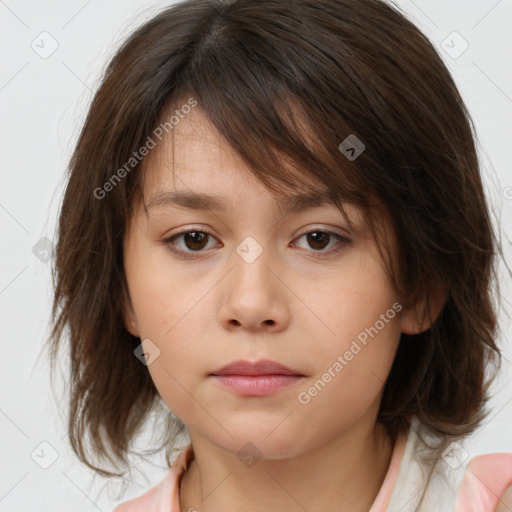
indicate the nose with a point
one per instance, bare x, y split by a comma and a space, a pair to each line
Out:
254, 297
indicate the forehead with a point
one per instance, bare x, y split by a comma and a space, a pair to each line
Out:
194, 165
195, 139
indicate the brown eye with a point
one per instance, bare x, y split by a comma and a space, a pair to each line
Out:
319, 240
189, 242
192, 243
195, 240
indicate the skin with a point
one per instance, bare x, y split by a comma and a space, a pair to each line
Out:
205, 312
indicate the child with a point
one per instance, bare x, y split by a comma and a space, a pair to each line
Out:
275, 225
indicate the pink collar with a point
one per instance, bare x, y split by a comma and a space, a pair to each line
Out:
485, 487
381, 501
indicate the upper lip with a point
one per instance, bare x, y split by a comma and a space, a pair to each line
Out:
263, 367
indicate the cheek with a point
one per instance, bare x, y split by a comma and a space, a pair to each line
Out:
165, 309
163, 301
171, 314
348, 385
352, 372
359, 304
360, 336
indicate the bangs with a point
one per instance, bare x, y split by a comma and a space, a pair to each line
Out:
287, 131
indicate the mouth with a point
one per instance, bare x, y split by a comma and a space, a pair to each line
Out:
260, 378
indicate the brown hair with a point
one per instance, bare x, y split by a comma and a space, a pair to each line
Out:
349, 67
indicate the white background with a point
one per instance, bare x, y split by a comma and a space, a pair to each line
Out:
43, 102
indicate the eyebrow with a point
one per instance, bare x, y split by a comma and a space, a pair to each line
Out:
203, 201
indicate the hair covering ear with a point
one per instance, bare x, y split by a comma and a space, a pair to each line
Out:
129, 317
420, 316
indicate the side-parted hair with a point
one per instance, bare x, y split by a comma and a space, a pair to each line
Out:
348, 67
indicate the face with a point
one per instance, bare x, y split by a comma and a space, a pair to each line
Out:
252, 280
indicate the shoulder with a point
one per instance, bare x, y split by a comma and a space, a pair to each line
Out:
486, 484
164, 493
150, 500
448, 480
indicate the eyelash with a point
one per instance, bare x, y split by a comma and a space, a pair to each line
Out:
169, 242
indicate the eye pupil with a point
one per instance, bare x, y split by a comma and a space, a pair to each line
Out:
318, 237
196, 237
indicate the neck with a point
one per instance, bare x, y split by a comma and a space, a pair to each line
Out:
343, 474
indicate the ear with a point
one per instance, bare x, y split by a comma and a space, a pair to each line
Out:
420, 316
130, 319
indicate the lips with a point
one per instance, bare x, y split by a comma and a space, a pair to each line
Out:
263, 367
258, 379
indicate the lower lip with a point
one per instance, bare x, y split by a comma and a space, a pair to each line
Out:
257, 385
